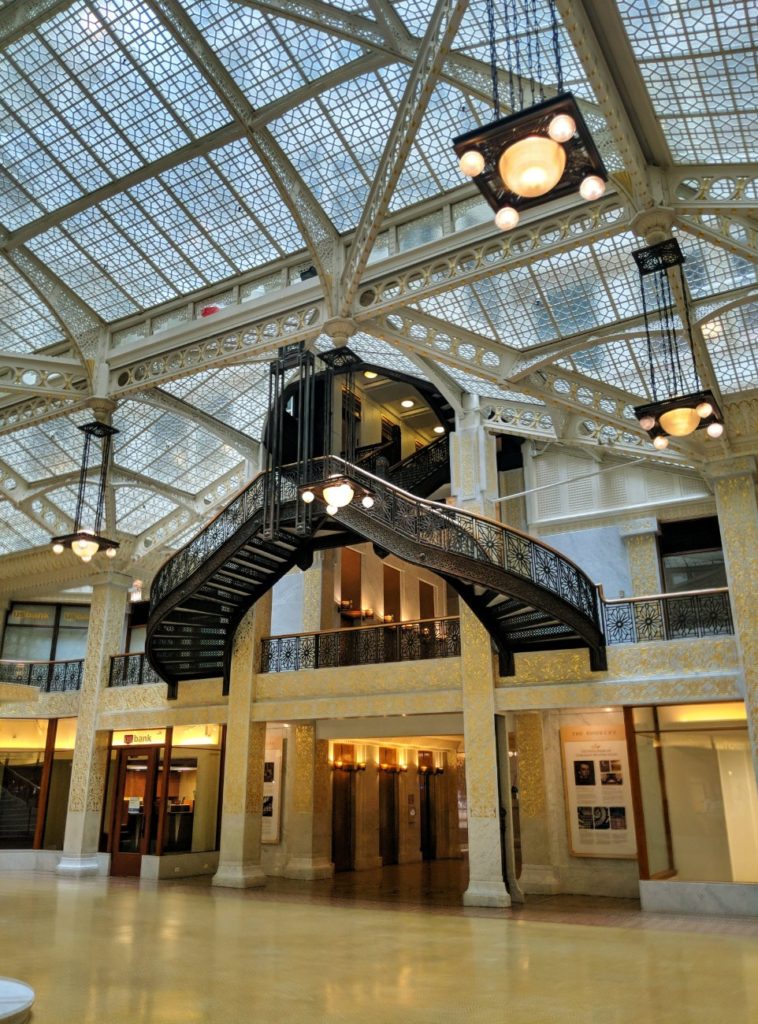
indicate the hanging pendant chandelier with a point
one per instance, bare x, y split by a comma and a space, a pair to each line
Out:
86, 542
539, 152
680, 404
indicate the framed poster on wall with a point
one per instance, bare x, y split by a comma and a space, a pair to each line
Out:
598, 791
272, 793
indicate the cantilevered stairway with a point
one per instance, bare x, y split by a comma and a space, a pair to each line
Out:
528, 596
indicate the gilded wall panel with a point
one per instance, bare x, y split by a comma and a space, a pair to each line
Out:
361, 680
531, 766
305, 738
316, 708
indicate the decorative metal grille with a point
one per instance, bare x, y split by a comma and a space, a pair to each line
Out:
365, 645
132, 670
668, 617
47, 676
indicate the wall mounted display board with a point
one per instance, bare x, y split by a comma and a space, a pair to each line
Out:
598, 791
272, 796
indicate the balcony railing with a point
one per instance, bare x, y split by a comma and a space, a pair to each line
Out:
47, 676
363, 645
668, 617
132, 670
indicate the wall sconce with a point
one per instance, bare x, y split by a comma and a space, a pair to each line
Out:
389, 618
392, 769
368, 613
425, 769
348, 766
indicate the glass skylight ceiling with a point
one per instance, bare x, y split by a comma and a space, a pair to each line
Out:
699, 67
103, 91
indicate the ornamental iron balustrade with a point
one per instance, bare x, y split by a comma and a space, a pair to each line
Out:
132, 670
418, 640
47, 676
682, 616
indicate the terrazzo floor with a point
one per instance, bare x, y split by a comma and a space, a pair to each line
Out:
370, 948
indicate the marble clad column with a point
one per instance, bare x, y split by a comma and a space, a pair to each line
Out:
5, 604
486, 887
239, 864
473, 461
640, 540
538, 872
734, 488
318, 593
88, 769
367, 847
308, 817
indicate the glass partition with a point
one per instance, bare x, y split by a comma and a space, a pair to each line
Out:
698, 792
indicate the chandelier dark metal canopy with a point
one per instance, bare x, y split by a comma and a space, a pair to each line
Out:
680, 404
86, 542
537, 153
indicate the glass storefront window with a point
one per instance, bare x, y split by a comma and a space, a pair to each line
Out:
35, 776
45, 632
698, 791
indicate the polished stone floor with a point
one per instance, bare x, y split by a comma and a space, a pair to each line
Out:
107, 951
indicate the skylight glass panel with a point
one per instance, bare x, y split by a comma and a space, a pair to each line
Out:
471, 384
235, 395
138, 508
18, 530
247, 179
26, 324
616, 363
415, 14
16, 206
49, 449
373, 350
698, 64
732, 341
268, 57
65, 498
82, 274
170, 448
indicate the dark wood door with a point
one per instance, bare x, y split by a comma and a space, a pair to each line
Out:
134, 817
426, 785
388, 825
343, 800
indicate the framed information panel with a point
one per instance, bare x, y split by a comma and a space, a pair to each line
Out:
598, 791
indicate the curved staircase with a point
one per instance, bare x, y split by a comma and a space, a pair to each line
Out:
527, 595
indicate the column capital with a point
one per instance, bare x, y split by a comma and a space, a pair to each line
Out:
723, 469
640, 527
119, 580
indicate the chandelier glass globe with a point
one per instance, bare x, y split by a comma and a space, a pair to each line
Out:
533, 166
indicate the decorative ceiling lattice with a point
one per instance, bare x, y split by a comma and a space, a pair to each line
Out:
152, 182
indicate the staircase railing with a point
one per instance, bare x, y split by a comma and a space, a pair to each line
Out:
418, 640
668, 616
460, 532
47, 676
433, 458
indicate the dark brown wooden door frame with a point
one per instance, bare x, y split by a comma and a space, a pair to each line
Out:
119, 859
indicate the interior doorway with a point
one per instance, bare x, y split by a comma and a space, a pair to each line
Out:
388, 826
343, 836
135, 808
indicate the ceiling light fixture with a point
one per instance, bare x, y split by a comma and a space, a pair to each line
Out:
439, 429
680, 406
370, 374
539, 152
407, 403
86, 542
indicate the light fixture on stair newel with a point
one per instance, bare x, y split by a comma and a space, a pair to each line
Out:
85, 542
537, 153
680, 404
337, 492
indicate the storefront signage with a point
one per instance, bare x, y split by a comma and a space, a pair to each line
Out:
139, 737
183, 736
272, 791
598, 791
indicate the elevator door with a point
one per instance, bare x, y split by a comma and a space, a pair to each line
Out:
134, 811
388, 826
426, 784
342, 820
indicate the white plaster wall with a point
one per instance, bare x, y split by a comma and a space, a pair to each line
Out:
600, 553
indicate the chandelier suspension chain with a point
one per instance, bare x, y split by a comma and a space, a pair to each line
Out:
556, 46
651, 362
83, 485
493, 59
538, 53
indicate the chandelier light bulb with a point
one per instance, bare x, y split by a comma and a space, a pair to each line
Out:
471, 163
507, 218
561, 128
307, 497
338, 495
57, 549
110, 552
660, 442
704, 410
86, 558
680, 422
714, 429
84, 548
331, 510
533, 166
367, 501
592, 187
647, 422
